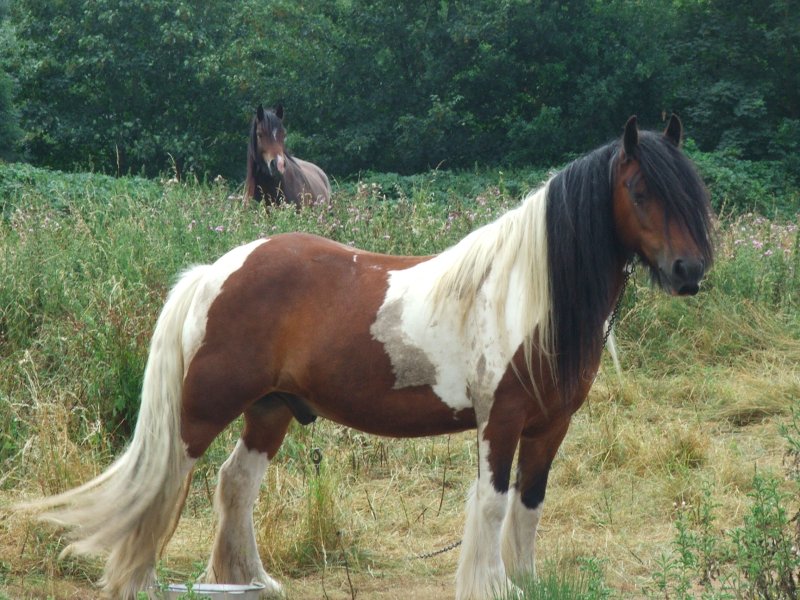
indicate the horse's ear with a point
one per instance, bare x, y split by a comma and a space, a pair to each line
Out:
260, 112
674, 130
630, 139
279, 111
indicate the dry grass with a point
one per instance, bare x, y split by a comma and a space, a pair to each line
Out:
639, 449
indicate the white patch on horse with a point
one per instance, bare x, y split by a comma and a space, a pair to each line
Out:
194, 327
462, 362
518, 545
355, 258
234, 558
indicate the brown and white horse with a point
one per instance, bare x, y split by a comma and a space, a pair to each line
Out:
274, 175
502, 332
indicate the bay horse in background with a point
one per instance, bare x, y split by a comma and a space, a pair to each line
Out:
502, 332
274, 175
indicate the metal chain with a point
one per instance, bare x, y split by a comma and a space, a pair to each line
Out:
438, 552
316, 458
629, 267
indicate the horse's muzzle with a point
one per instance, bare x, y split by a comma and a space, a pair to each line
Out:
277, 165
685, 275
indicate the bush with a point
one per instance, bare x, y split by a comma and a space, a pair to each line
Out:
738, 186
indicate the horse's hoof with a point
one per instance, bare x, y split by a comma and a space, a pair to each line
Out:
272, 589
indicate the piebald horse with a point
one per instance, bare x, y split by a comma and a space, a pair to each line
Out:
274, 175
502, 332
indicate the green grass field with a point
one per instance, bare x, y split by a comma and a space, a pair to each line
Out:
679, 479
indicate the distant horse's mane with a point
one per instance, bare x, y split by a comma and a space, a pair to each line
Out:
562, 238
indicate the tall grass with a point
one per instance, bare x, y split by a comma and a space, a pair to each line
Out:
708, 386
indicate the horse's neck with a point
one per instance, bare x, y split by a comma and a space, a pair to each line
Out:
296, 185
264, 185
293, 176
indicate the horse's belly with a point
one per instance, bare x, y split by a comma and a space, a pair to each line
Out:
409, 412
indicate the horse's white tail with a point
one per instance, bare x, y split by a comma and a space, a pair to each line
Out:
127, 510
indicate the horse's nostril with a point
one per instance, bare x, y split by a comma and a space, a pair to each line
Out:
687, 269
679, 269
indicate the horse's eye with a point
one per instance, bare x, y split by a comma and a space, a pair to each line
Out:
639, 196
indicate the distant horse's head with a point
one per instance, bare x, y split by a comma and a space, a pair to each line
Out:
273, 174
661, 207
267, 141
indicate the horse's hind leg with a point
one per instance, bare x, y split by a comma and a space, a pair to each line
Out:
234, 557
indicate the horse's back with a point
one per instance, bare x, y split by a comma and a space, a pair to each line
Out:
304, 274
319, 187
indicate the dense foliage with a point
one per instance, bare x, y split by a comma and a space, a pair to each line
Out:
155, 85
9, 130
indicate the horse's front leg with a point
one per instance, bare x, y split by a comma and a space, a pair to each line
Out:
536, 453
481, 572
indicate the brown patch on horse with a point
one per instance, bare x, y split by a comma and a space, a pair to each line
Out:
265, 425
410, 364
519, 418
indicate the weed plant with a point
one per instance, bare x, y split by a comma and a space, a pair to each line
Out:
584, 581
758, 559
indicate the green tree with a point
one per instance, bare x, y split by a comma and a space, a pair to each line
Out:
488, 82
9, 130
9, 118
395, 86
738, 76
124, 86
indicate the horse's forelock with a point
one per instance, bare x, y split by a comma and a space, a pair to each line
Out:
673, 178
271, 123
